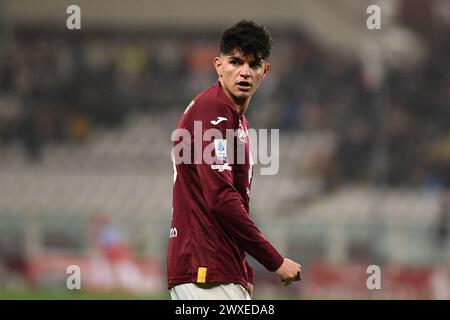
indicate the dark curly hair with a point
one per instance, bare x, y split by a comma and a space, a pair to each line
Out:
250, 38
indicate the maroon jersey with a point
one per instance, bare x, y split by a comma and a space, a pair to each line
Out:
211, 229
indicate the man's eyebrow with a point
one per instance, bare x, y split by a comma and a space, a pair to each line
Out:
255, 60
235, 58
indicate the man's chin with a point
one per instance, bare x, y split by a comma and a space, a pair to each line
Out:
242, 94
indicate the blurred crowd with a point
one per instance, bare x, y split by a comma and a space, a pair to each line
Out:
56, 89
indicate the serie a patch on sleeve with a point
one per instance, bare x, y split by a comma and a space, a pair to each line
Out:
220, 148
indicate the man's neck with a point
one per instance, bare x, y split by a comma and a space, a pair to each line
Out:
240, 104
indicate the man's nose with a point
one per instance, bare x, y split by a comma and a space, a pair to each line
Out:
245, 70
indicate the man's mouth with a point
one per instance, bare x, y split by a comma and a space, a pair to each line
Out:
244, 84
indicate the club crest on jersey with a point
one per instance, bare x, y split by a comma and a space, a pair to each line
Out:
220, 147
173, 232
242, 134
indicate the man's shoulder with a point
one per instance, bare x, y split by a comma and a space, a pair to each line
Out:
213, 97
210, 103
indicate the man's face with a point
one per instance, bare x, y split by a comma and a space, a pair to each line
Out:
240, 75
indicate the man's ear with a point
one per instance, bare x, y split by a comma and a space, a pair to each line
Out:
218, 65
266, 70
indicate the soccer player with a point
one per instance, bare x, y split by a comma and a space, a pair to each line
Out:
211, 230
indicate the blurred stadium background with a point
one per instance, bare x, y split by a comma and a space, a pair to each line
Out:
86, 117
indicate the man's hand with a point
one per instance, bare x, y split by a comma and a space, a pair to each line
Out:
289, 271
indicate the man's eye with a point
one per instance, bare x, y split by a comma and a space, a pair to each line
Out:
255, 65
233, 62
